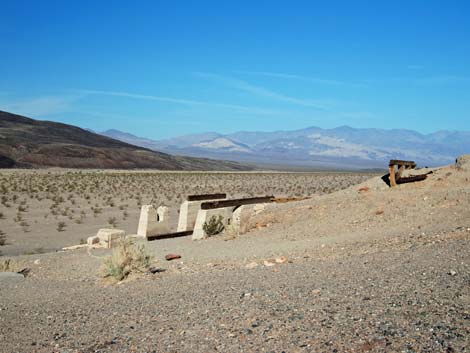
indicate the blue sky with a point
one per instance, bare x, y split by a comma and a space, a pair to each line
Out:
165, 68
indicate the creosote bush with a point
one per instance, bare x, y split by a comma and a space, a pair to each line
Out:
61, 226
214, 226
125, 259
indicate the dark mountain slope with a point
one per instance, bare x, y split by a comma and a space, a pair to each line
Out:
26, 142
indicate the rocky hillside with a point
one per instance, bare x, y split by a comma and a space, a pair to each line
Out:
26, 142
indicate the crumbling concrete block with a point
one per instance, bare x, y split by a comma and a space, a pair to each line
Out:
110, 237
92, 240
153, 221
243, 215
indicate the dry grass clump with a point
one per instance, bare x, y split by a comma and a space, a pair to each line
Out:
126, 259
8, 266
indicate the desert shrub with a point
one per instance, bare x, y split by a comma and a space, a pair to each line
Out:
112, 221
3, 238
214, 226
125, 259
61, 226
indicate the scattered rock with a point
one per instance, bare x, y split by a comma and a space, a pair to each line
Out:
37, 262
280, 260
268, 263
154, 270
364, 189
170, 257
25, 271
251, 265
452, 273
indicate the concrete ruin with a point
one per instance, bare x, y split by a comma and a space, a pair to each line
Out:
235, 216
106, 238
195, 212
153, 221
190, 208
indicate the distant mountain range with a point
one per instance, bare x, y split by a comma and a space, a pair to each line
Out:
26, 142
342, 147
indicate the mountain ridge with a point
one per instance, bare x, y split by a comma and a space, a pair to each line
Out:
26, 142
314, 146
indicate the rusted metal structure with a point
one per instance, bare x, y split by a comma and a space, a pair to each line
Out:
396, 176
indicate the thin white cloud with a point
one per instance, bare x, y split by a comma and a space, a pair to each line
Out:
264, 92
38, 106
424, 81
180, 101
299, 77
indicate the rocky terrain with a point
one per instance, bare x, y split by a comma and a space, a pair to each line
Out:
365, 269
26, 142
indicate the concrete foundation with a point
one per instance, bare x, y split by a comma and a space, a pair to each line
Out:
204, 216
153, 221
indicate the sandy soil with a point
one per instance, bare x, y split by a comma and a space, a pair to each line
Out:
370, 269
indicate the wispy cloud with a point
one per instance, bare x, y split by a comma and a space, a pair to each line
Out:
422, 81
180, 101
264, 92
299, 78
38, 106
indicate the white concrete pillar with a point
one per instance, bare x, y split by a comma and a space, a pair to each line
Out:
153, 221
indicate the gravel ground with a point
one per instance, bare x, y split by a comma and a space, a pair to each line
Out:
357, 280
410, 296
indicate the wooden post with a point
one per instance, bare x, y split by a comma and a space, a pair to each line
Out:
391, 169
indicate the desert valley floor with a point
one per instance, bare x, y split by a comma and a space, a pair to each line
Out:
365, 267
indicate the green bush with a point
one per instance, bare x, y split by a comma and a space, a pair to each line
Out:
214, 226
125, 259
